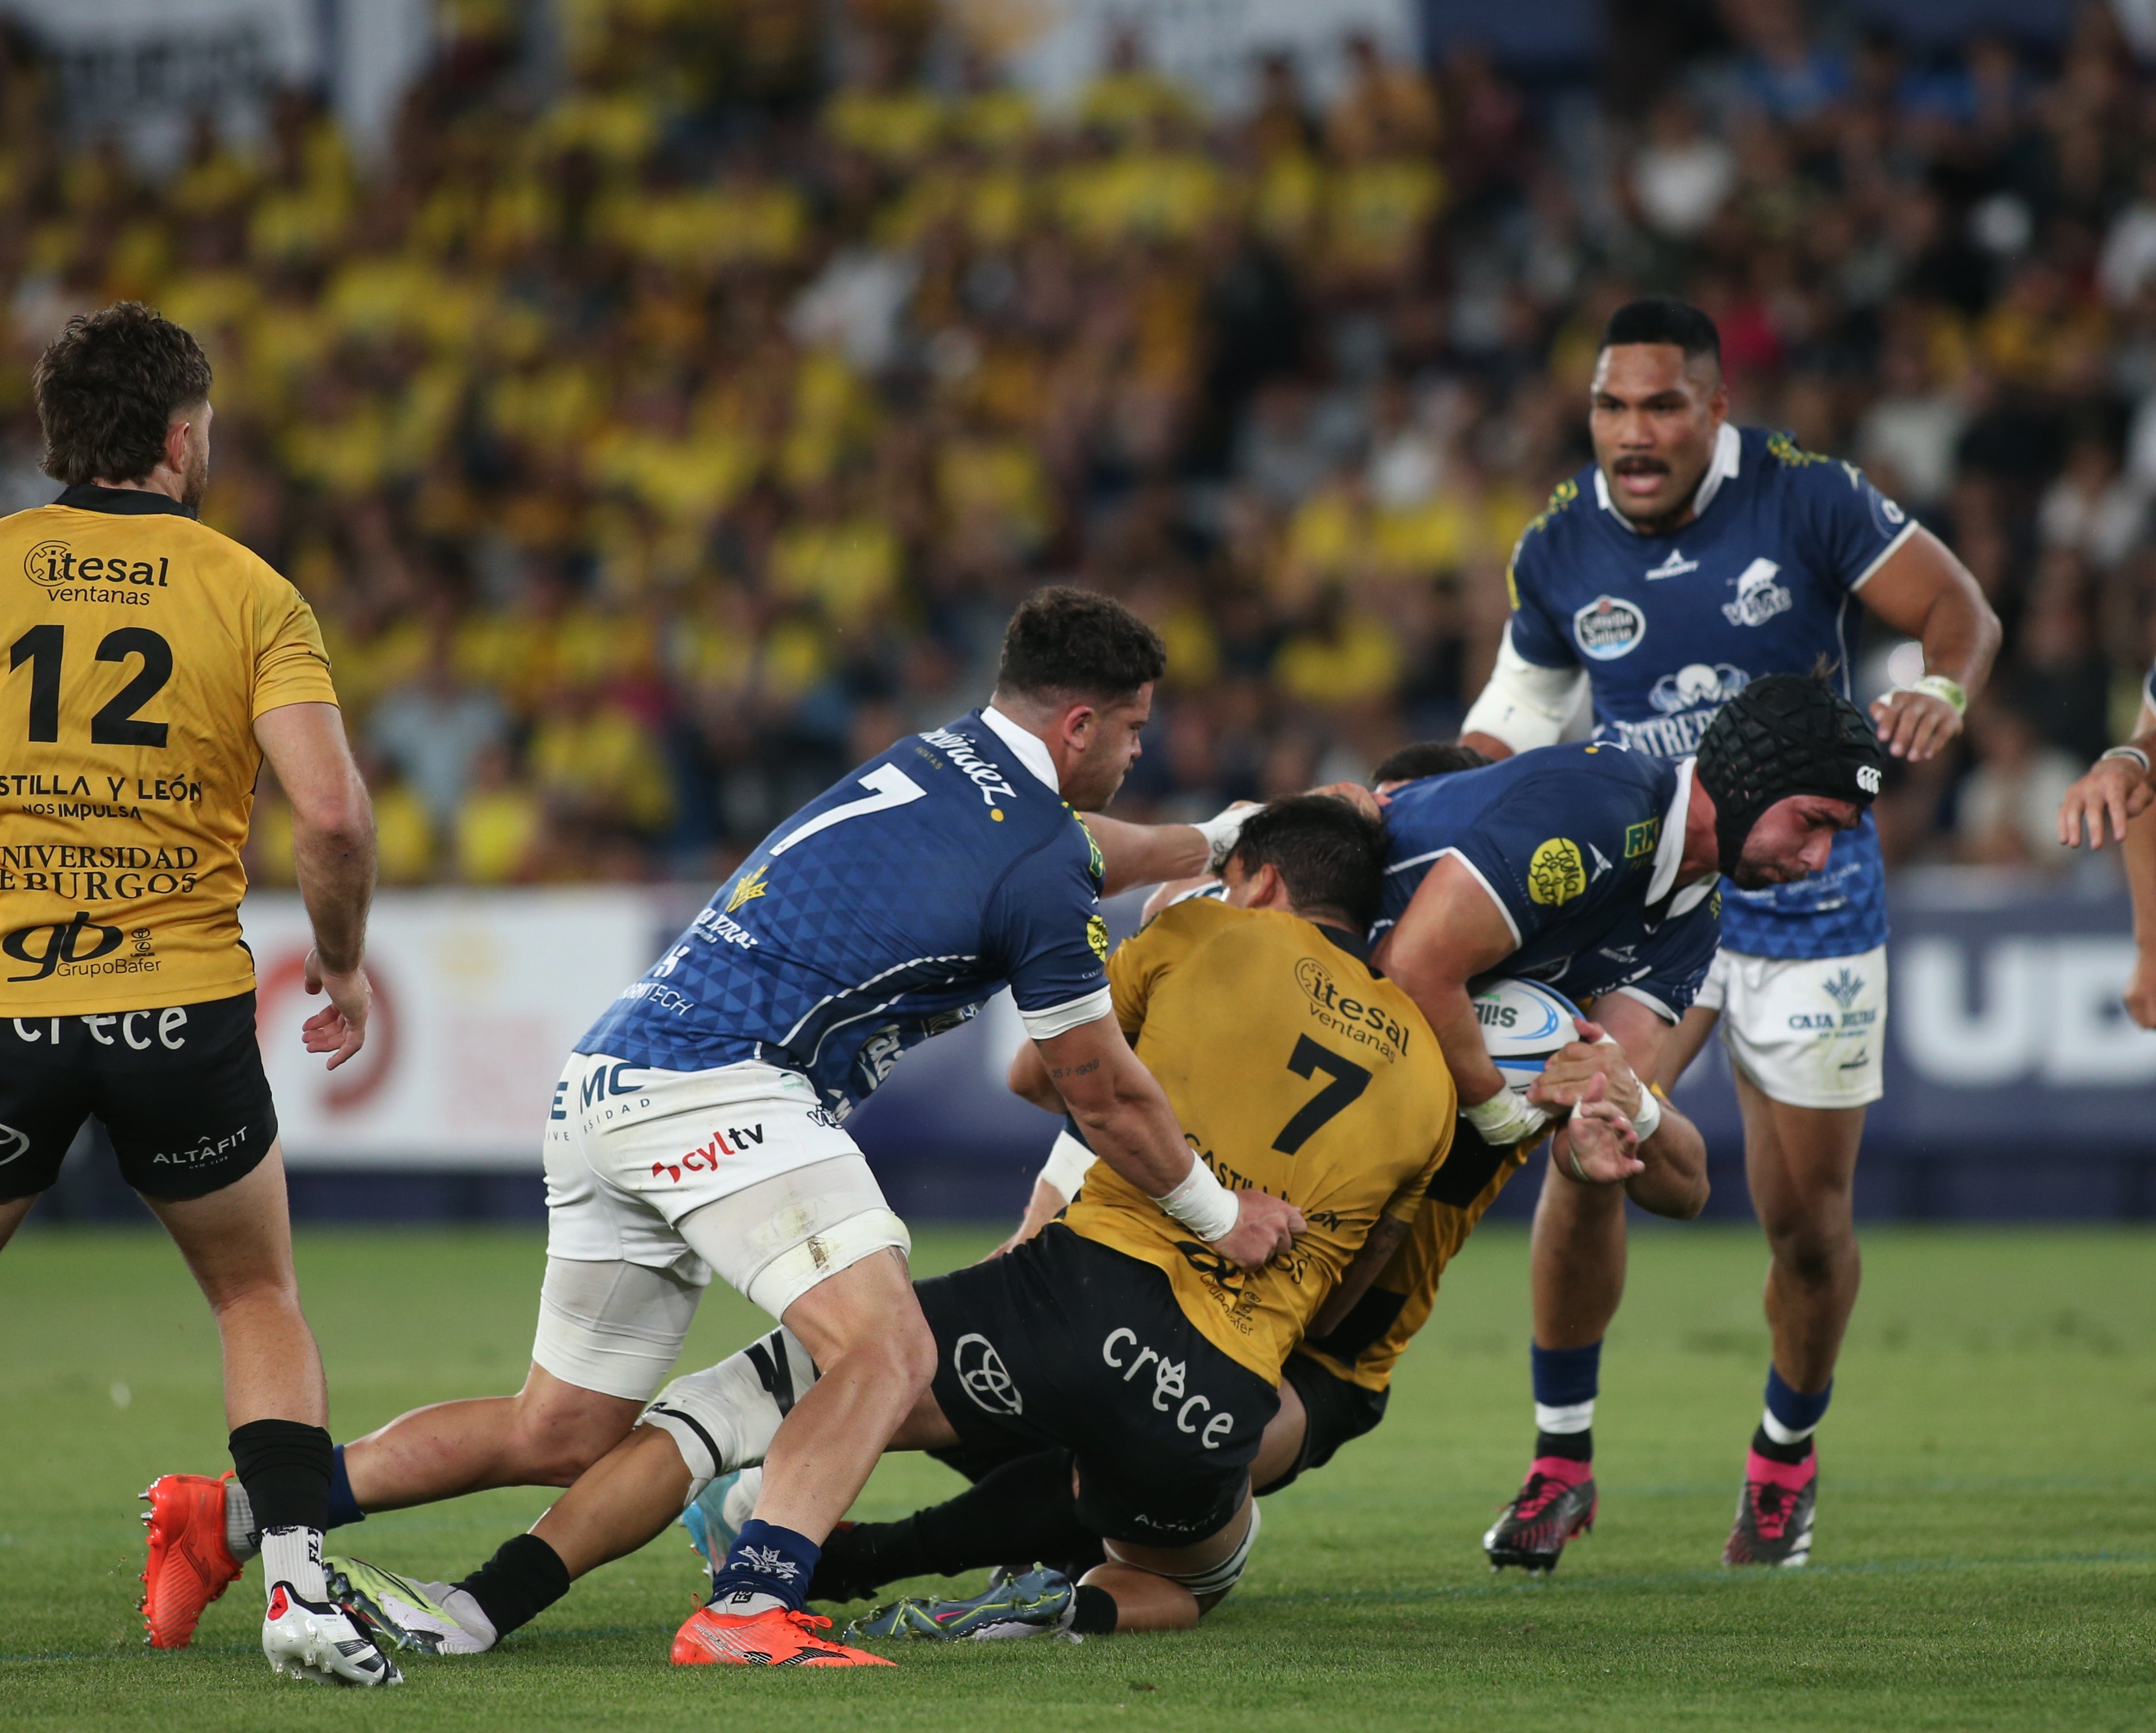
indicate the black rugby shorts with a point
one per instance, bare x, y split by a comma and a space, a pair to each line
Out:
1065, 1341
180, 1090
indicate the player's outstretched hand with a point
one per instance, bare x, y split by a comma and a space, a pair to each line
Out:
1263, 1224
339, 1029
1915, 725
1598, 1145
2113, 788
1564, 1078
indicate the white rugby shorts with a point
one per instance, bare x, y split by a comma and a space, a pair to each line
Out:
1809, 1031
656, 1179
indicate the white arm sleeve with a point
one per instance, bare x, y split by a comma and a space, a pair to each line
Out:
1525, 705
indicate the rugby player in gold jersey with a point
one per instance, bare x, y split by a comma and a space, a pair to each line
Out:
1142, 1360
153, 666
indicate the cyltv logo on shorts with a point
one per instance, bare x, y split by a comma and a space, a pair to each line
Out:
64, 944
728, 1143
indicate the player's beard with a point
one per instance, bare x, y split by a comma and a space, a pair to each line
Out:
194, 482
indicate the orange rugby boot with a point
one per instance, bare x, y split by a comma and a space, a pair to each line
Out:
189, 1565
774, 1637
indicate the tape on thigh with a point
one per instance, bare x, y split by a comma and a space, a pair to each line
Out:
775, 1240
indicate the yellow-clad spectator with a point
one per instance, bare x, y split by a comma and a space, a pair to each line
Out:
850, 567
1345, 656
598, 760
1387, 109
1129, 96
1376, 213
897, 125
404, 830
500, 823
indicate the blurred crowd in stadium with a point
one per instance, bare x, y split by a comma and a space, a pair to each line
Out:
655, 447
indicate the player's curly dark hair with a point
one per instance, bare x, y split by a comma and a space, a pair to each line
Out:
1427, 758
108, 387
1330, 854
1066, 639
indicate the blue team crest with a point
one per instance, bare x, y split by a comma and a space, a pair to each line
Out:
1697, 683
1844, 988
1759, 599
1609, 627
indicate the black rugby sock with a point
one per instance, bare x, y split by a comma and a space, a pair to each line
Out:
1572, 1446
521, 1580
284, 1467
1791, 1454
1018, 1513
1095, 1615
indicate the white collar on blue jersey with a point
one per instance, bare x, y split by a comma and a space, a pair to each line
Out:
1031, 749
1728, 447
1668, 856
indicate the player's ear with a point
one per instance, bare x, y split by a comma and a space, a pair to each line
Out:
176, 443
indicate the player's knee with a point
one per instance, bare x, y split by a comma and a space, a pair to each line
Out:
557, 1442
1811, 1252
913, 1349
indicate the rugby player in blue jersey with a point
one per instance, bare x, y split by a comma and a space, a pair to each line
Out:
1691, 559
2119, 788
1591, 867
699, 1125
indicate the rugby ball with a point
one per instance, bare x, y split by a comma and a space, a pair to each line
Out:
1524, 1026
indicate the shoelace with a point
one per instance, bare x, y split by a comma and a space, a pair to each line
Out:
1770, 1509
1542, 1491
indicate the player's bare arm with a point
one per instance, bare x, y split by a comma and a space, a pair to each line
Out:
2119, 787
333, 851
1129, 1124
1673, 1180
1451, 932
1925, 592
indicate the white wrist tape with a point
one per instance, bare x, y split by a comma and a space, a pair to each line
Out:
2134, 753
1505, 1120
1221, 832
1068, 1161
1648, 1119
1947, 691
1205, 1206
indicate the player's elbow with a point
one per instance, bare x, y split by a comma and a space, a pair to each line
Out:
339, 818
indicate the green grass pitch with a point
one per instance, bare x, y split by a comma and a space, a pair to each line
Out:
1986, 1549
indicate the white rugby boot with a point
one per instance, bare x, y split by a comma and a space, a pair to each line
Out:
314, 1640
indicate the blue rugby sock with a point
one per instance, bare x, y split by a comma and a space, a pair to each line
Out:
344, 1508
1566, 1383
1791, 1417
767, 1560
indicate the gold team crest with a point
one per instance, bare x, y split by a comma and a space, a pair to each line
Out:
1096, 935
1555, 873
751, 887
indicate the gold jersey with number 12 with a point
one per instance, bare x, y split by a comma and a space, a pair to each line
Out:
141, 647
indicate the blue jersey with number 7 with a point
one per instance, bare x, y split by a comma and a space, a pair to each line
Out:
887, 909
